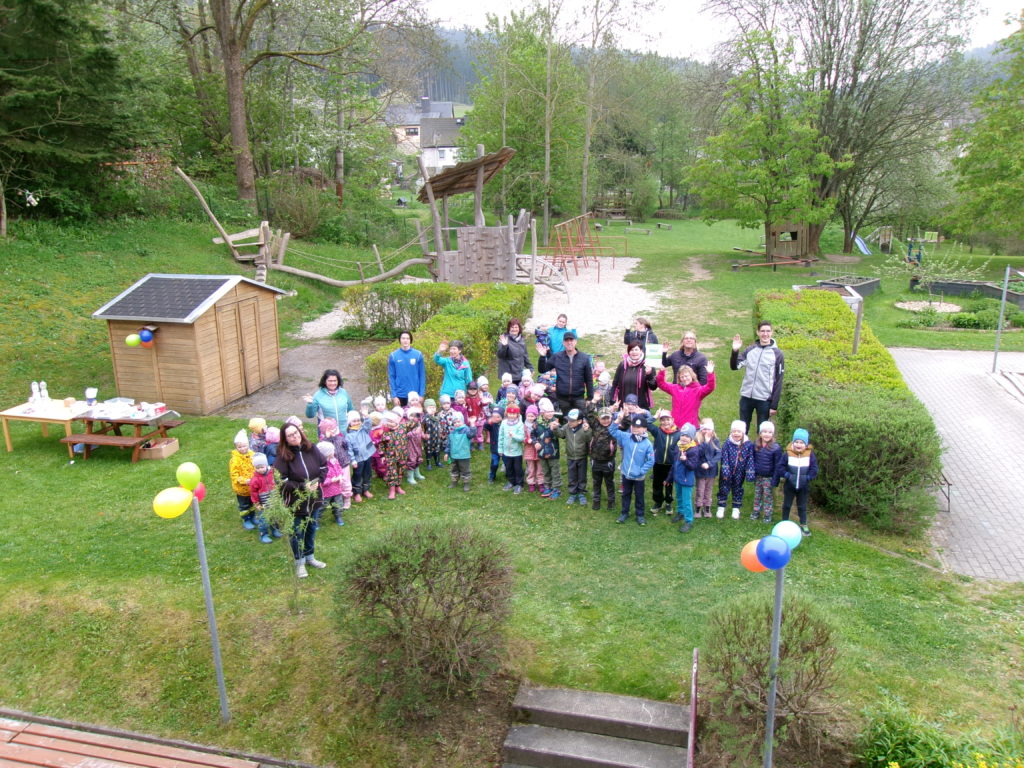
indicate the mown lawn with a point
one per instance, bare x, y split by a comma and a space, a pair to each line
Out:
102, 618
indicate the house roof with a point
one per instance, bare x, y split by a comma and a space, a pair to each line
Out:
413, 114
462, 177
172, 298
439, 132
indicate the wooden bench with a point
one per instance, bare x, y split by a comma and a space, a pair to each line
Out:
662, 225
135, 442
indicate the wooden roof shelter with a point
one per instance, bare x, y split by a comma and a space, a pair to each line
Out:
465, 176
214, 339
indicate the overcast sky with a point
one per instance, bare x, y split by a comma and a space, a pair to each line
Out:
679, 29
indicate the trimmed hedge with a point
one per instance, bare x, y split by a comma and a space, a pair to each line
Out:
876, 443
391, 307
476, 323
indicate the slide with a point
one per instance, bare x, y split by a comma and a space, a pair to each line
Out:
861, 245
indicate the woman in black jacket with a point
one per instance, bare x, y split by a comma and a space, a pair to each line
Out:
634, 377
642, 334
512, 357
302, 470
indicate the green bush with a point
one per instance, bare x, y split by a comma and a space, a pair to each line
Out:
430, 603
876, 444
297, 206
392, 307
476, 323
736, 674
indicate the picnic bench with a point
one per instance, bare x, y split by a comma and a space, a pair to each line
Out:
109, 433
25, 744
637, 230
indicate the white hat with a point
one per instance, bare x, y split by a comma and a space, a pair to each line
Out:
604, 377
545, 405
766, 426
391, 417
506, 377
354, 416
740, 425
481, 381
241, 437
526, 374
326, 448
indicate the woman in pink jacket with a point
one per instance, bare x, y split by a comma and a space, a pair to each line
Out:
688, 394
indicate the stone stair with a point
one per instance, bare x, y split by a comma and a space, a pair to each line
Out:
560, 728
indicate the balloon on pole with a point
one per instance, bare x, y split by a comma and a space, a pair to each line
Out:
200, 491
790, 532
748, 556
172, 502
189, 475
773, 552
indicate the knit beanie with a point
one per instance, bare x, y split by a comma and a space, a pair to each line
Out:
445, 398
506, 377
481, 381
604, 378
429, 403
259, 460
354, 416
293, 420
545, 405
273, 435
327, 425
688, 430
241, 438
257, 424
801, 434
766, 426
532, 410
738, 425
458, 418
707, 423
326, 448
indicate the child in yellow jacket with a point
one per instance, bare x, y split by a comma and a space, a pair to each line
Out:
241, 470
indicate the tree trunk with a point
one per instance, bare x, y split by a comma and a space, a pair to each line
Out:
814, 239
234, 80
339, 158
588, 135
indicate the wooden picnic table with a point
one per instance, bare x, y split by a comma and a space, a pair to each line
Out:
106, 430
45, 414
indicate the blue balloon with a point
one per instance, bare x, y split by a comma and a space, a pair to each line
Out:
773, 552
789, 531
146, 335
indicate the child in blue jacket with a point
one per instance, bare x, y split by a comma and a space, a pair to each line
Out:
800, 466
768, 460
685, 455
637, 460
737, 468
707, 470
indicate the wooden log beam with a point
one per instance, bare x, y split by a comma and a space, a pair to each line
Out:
347, 283
202, 202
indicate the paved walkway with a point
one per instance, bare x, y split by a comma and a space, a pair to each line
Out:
982, 430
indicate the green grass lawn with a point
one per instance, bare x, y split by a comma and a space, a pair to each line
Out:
102, 618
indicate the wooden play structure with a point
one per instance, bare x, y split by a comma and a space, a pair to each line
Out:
214, 339
577, 243
787, 243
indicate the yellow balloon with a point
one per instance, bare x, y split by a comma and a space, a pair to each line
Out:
172, 502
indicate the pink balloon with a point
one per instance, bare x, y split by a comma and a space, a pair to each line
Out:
200, 492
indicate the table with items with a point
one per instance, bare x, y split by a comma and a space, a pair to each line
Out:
44, 412
104, 423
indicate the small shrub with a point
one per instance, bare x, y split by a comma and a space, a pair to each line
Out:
430, 603
297, 206
736, 666
391, 307
894, 734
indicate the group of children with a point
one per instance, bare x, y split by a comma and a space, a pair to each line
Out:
525, 434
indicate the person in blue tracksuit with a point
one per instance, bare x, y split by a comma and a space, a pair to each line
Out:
405, 371
637, 460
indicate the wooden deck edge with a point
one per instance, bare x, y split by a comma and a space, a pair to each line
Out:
14, 714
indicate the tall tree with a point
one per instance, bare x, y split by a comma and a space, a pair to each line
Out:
990, 176
876, 65
62, 103
762, 168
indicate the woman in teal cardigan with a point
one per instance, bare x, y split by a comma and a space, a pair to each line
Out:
457, 373
330, 401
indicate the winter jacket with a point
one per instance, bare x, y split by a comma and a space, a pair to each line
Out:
768, 461
685, 460
340, 443
513, 358
764, 368
577, 441
260, 488
637, 452
799, 468
710, 453
474, 408
643, 338
333, 483
574, 376
305, 466
510, 438
360, 446
696, 360
406, 373
456, 375
686, 400
529, 440
493, 433
634, 380
737, 462
240, 469
458, 442
328, 406
663, 441
547, 439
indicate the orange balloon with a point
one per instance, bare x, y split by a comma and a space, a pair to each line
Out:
147, 344
749, 557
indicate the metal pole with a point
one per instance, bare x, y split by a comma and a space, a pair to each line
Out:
225, 715
1002, 310
773, 669
857, 325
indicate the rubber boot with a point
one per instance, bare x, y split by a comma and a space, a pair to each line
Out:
300, 568
391, 493
418, 474
410, 477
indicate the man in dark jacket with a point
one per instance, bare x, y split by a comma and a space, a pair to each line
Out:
763, 368
687, 354
574, 382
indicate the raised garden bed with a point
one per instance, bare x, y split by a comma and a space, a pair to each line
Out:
967, 287
865, 286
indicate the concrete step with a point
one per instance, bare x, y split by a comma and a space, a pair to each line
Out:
609, 714
543, 747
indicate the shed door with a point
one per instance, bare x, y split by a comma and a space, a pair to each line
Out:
230, 340
248, 323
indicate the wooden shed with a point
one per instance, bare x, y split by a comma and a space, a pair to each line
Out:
214, 339
787, 240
